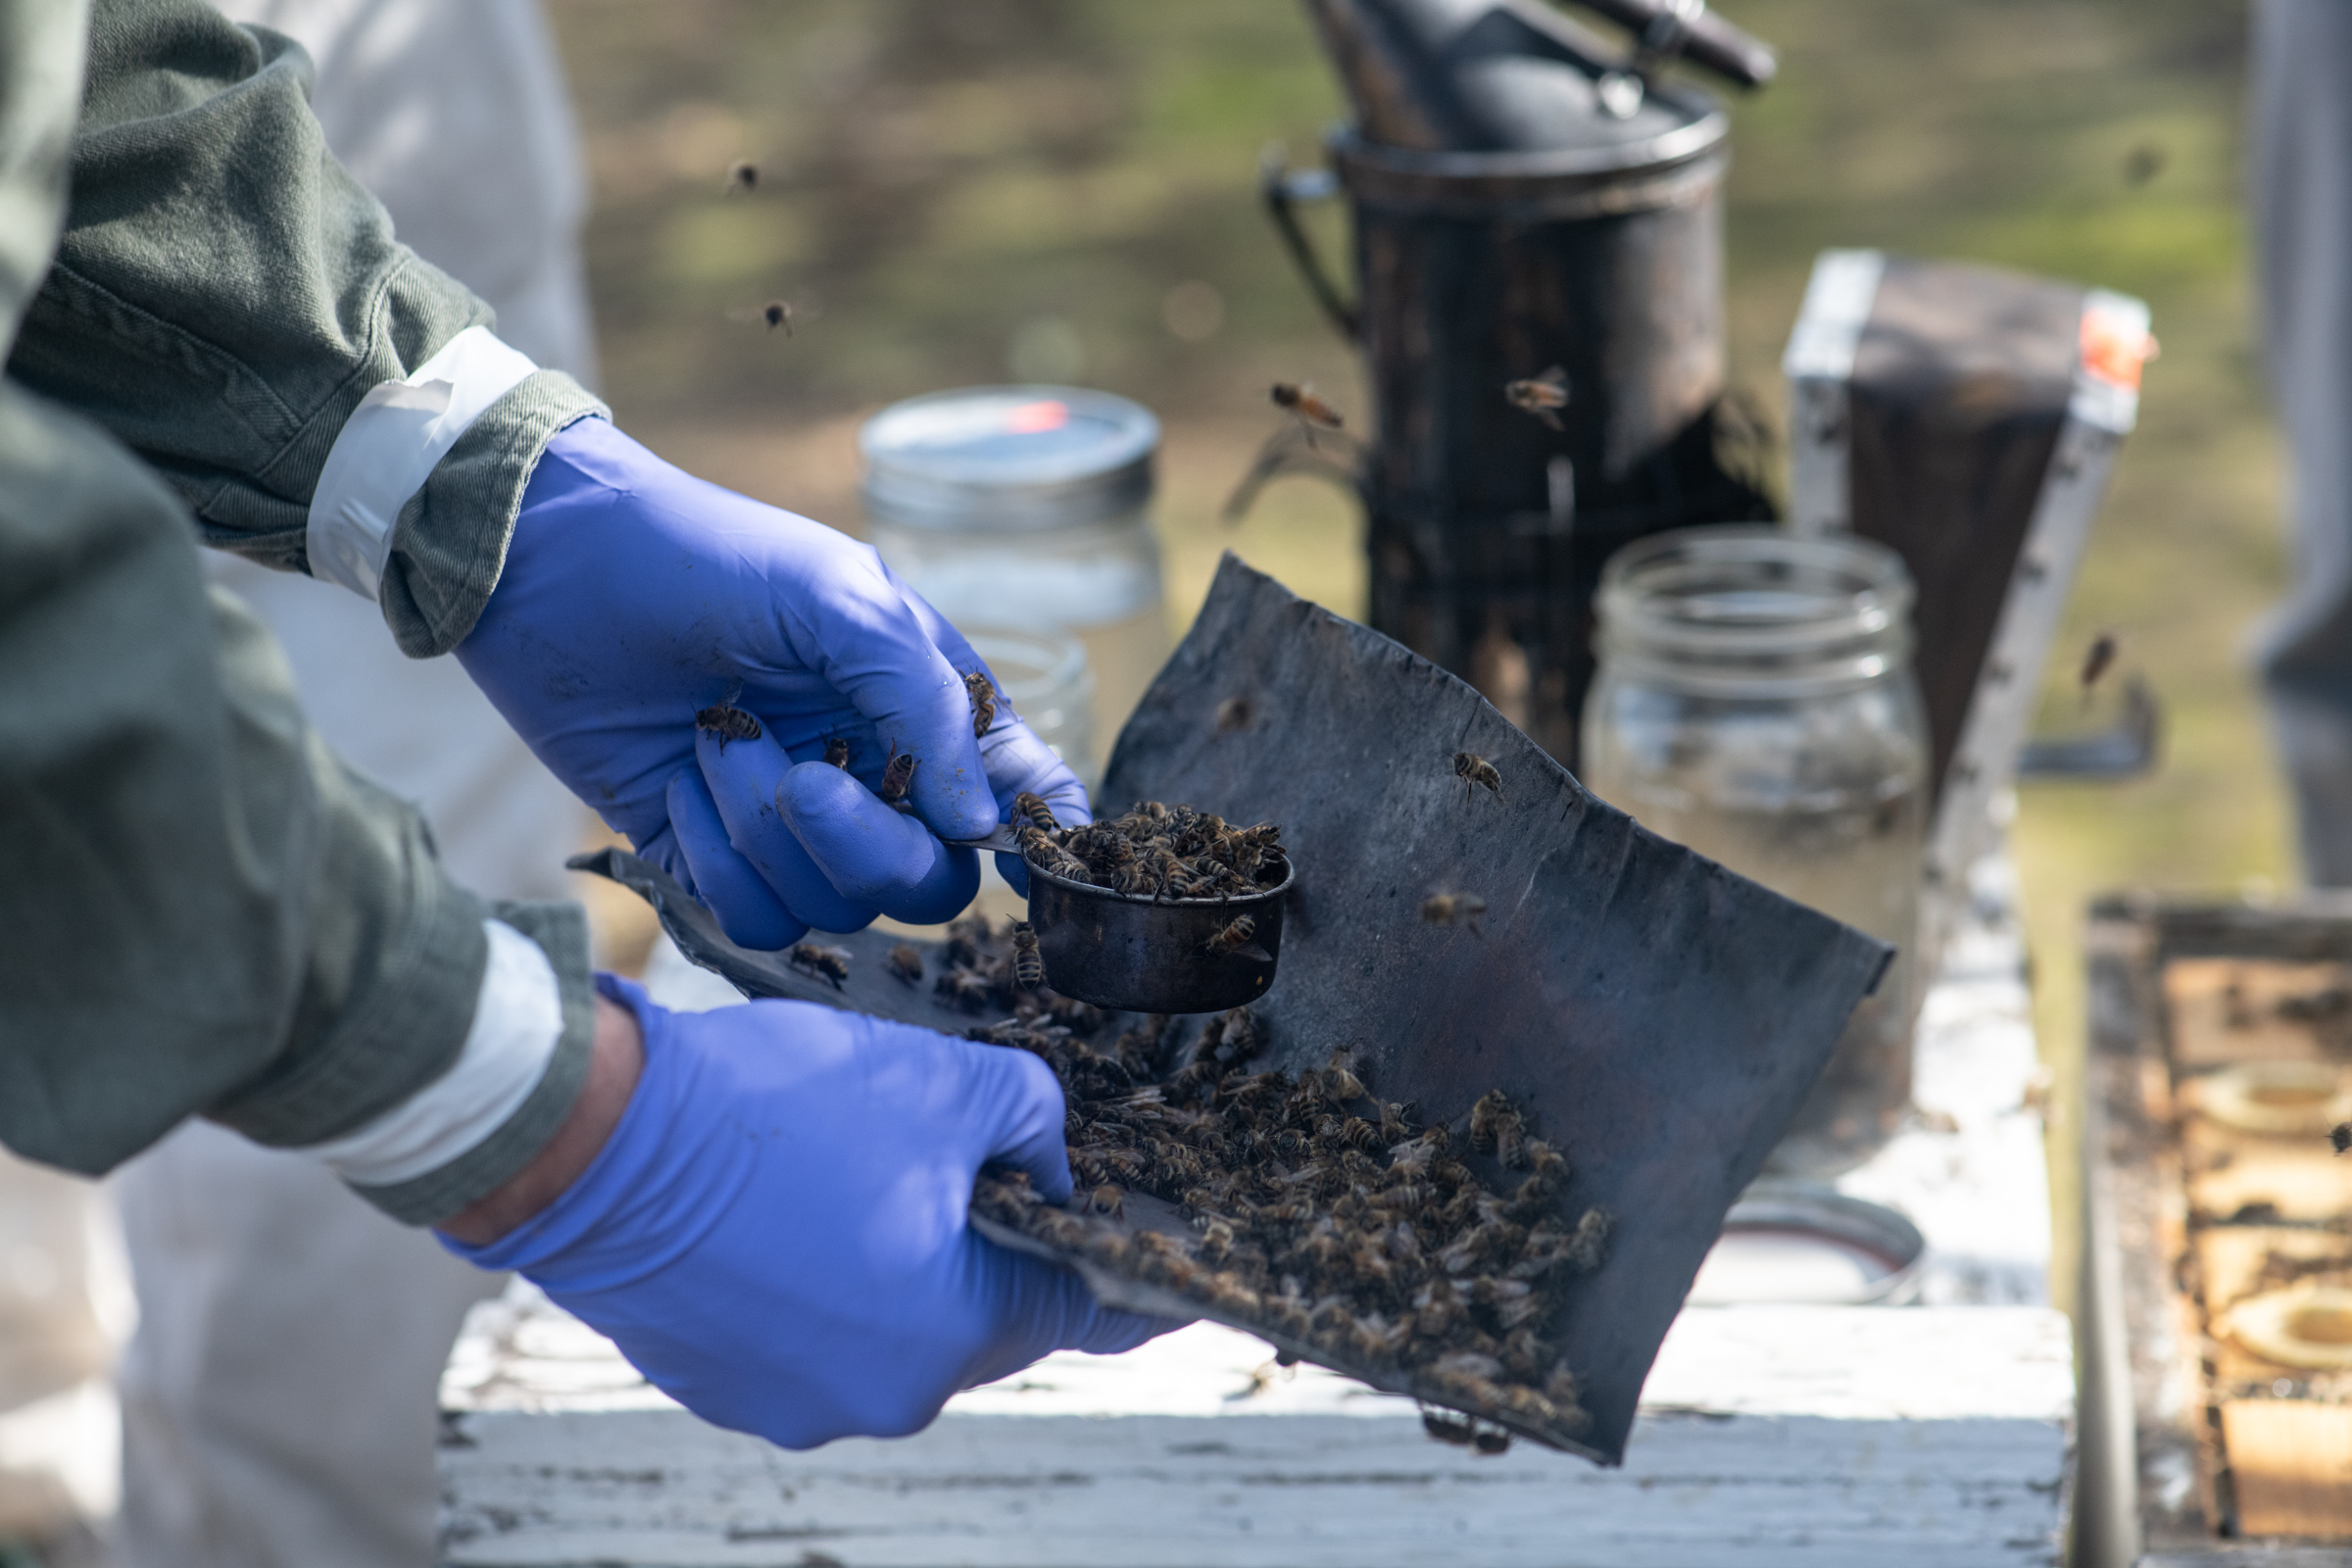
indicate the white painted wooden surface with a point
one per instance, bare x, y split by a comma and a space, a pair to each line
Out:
1923, 1436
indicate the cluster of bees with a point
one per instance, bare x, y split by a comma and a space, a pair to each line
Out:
1315, 1209
1159, 851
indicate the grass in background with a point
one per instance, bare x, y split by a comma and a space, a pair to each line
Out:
962, 191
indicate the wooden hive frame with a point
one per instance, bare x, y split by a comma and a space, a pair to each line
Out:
2195, 1449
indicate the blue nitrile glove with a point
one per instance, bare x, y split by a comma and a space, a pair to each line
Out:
775, 1232
634, 594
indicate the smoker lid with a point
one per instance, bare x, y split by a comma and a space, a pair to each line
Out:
1007, 458
1504, 76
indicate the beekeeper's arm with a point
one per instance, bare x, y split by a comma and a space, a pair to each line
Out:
206, 913
236, 308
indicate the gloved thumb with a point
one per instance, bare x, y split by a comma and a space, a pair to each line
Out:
1018, 1108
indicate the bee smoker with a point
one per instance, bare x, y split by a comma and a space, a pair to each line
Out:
1526, 199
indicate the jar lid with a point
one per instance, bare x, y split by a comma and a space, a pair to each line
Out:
1005, 459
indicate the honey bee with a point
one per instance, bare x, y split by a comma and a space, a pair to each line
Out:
742, 175
1299, 399
778, 313
906, 963
2095, 660
1591, 1237
1444, 1425
983, 693
1234, 937
1028, 964
728, 723
1030, 807
1109, 1199
1443, 908
1542, 396
1487, 1118
2341, 1135
1548, 1162
833, 963
898, 775
1490, 1441
1474, 771
1338, 1080
837, 751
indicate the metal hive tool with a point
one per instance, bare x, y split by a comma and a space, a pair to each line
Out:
1658, 1016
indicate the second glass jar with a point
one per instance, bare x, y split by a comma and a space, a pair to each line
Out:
1755, 703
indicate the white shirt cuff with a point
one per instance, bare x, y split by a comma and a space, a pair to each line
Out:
518, 1023
388, 447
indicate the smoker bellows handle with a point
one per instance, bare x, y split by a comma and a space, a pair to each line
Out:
1667, 27
1283, 190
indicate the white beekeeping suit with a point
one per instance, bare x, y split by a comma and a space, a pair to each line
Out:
2301, 107
278, 1395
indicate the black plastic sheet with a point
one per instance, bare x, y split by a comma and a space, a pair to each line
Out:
1660, 1017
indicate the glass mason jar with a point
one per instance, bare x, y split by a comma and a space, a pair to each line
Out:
1029, 508
1755, 703
1046, 677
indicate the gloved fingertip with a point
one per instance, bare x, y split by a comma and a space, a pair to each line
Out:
871, 853
730, 887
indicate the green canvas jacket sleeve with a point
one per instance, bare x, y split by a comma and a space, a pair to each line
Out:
206, 911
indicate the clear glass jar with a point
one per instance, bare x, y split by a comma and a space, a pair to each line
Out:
1029, 508
1755, 703
1046, 677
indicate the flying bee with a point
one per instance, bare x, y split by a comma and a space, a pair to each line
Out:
1443, 908
728, 723
837, 751
1298, 400
2095, 660
906, 963
2341, 1135
1542, 396
742, 174
1109, 1199
1233, 937
898, 775
1032, 808
1474, 771
833, 963
778, 313
983, 693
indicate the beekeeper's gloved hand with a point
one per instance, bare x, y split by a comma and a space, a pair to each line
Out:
634, 594
774, 1232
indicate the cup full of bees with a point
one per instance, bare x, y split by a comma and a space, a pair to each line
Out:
1167, 909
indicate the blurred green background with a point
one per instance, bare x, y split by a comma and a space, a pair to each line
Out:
960, 191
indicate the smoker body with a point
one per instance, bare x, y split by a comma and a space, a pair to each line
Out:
1488, 527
